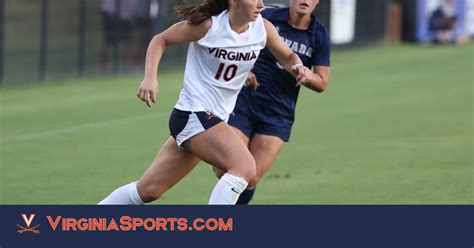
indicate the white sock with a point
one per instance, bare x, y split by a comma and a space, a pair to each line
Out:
125, 195
227, 190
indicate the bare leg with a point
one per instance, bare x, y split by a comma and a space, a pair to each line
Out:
222, 147
218, 145
244, 138
170, 165
265, 149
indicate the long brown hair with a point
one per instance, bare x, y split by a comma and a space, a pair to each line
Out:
197, 13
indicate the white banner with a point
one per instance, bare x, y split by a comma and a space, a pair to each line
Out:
464, 10
469, 20
343, 17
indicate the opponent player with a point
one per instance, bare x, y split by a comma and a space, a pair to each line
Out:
265, 110
225, 37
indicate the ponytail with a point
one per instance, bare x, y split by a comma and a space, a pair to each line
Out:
196, 14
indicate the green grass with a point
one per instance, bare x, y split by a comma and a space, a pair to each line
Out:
394, 127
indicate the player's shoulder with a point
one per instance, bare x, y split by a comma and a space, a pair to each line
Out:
205, 25
199, 30
274, 13
318, 29
318, 25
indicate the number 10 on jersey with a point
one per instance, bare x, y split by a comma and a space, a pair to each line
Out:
227, 72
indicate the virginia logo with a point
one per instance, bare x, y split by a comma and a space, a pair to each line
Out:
28, 221
210, 116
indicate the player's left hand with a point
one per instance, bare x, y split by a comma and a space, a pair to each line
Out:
251, 81
302, 74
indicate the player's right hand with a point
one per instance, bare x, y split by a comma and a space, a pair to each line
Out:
302, 74
251, 81
147, 91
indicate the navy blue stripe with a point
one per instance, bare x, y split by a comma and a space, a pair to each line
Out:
178, 121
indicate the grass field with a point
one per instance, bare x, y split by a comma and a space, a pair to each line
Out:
394, 127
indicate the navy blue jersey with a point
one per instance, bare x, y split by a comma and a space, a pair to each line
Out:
275, 99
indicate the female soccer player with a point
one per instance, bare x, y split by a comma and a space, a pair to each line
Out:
225, 37
265, 110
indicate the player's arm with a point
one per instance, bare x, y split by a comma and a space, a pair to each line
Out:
179, 33
285, 56
319, 79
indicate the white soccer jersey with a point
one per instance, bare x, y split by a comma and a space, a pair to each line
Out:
218, 64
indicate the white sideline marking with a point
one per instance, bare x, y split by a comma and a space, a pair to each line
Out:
54, 132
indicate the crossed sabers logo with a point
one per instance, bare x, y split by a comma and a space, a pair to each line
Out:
210, 116
28, 224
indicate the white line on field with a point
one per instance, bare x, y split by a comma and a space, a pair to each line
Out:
94, 125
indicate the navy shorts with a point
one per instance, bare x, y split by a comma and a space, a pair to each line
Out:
185, 124
250, 125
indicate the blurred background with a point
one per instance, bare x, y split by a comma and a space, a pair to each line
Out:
395, 125
55, 39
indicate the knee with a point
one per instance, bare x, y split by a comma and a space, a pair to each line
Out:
246, 169
249, 171
254, 181
218, 172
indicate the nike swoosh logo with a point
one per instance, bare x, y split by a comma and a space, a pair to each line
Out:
233, 189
